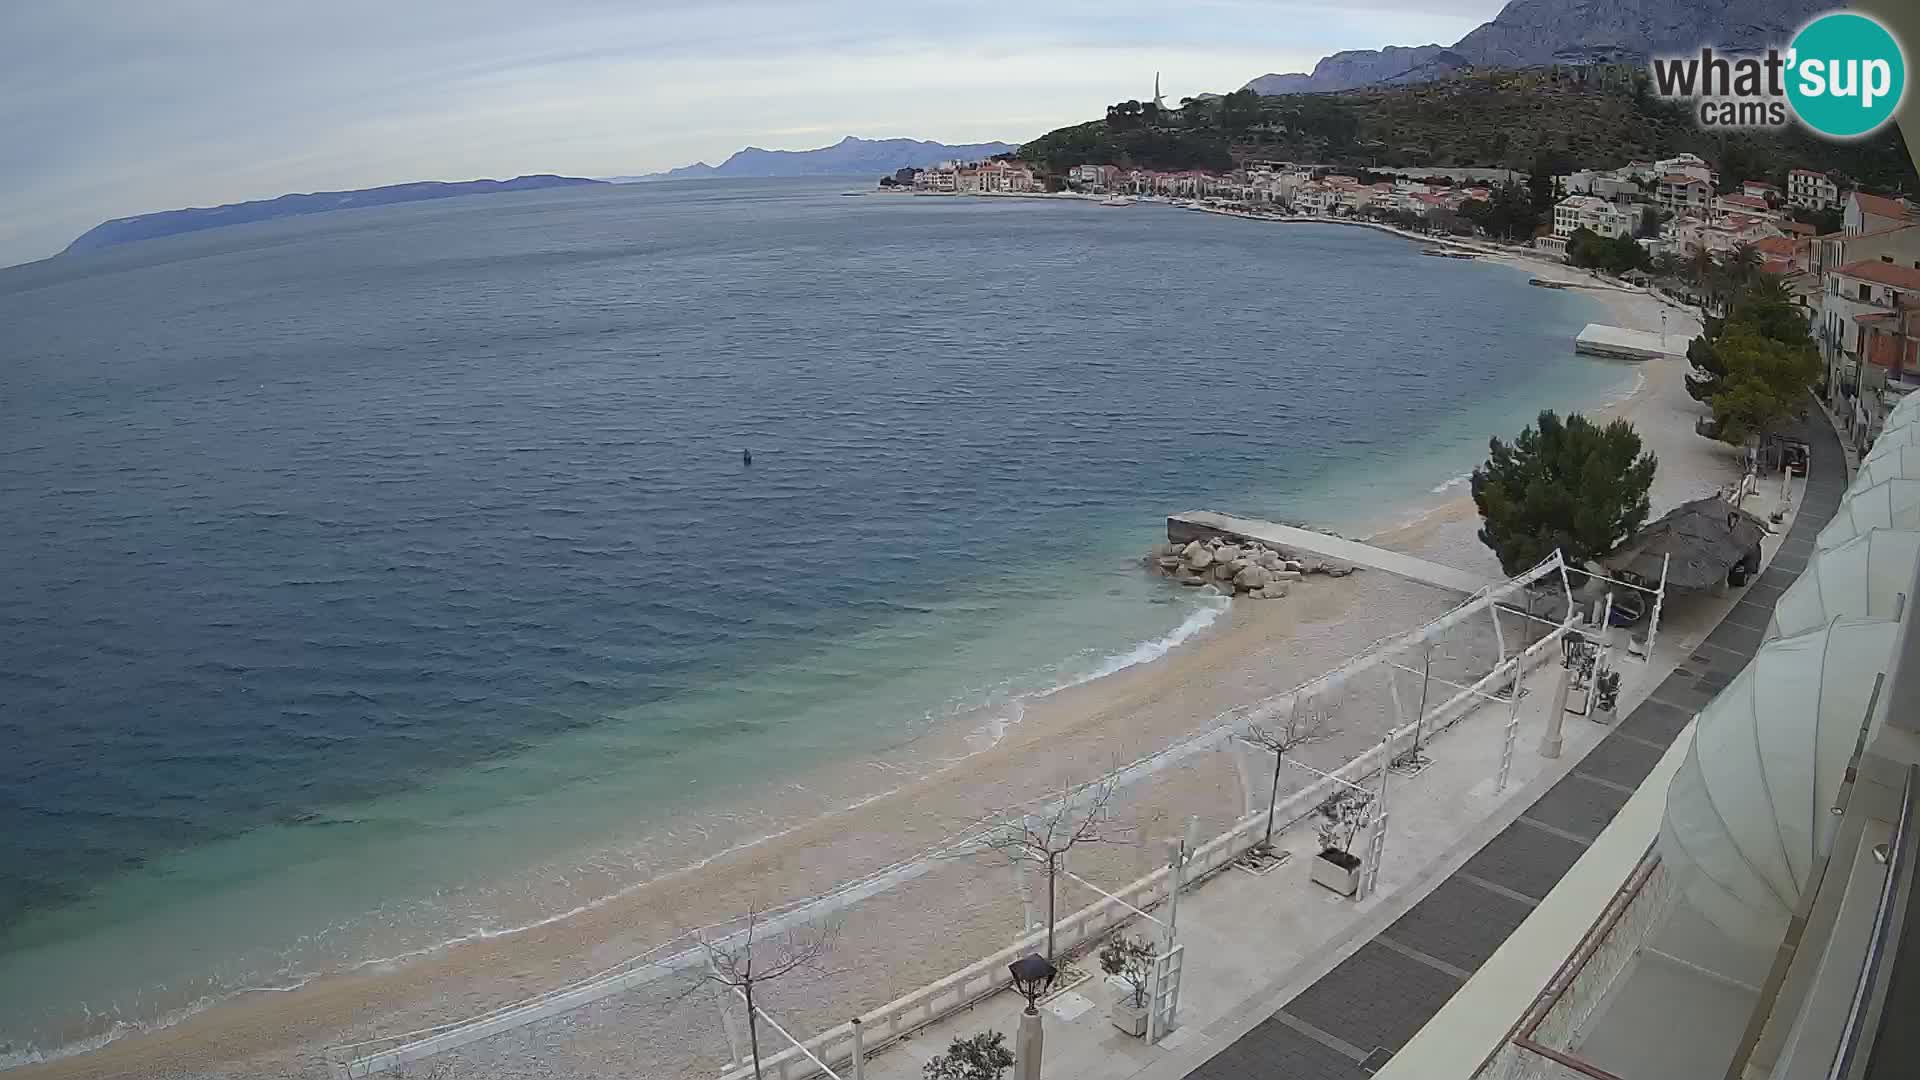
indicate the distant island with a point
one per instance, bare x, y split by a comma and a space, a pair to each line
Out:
127, 230
848, 157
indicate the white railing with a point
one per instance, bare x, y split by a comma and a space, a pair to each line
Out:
905, 1015
963, 988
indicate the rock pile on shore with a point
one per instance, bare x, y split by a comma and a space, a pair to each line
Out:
1240, 568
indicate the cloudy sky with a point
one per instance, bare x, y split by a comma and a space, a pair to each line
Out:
117, 107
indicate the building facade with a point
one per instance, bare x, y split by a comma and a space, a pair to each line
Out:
1811, 189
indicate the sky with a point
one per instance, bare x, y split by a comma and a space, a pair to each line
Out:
117, 107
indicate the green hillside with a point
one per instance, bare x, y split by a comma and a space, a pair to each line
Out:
1550, 119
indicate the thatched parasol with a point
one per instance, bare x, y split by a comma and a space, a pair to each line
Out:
1705, 538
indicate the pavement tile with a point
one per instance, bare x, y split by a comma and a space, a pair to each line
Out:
1622, 761
1460, 923
1376, 997
1656, 721
1738, 637
1578, 806
1525, 859
1274, 1051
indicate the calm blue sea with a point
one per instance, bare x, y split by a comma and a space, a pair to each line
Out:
352, 562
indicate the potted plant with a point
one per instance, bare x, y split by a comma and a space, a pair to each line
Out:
1338, 819
1606, 695
1130, 959
983, 1056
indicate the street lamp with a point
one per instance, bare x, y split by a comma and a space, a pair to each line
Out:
1033, 976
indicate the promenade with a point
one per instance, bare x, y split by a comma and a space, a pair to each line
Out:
1287, 981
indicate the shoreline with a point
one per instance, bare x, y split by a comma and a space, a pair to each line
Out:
1252, 648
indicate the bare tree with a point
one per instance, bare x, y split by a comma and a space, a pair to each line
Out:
1079, 816
1302, 726
739, 963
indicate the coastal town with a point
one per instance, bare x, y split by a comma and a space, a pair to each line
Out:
1849, 258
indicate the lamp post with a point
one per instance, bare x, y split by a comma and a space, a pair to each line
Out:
1033, 975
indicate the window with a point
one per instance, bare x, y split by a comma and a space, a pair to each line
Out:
1866, 292
1888, 259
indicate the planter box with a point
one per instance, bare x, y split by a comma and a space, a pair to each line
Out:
1129, 1019
1337, 870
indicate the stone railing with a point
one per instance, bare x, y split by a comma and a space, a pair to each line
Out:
1540, 1045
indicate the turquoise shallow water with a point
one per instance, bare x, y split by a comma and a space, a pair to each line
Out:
363, 562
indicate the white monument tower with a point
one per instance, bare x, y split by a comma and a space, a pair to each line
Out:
1158, 103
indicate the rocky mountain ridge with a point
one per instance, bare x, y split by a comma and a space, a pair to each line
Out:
1532, 33
850, 156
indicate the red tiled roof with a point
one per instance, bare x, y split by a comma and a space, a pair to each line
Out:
1881, 206
1806, 172
1758, 184
1800, 227
1775, 245
1751, 201
1900, 277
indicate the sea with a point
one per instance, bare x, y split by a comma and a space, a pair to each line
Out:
360, 569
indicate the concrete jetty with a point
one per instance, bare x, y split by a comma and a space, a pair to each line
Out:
1205, 524
1620, 343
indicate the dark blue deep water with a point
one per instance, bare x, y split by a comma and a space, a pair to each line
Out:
343, 535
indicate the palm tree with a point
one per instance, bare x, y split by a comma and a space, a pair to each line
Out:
1743, 265
1704, 270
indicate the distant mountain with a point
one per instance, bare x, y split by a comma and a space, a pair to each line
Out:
1531, 33
1356, 67
848, 157
172, 222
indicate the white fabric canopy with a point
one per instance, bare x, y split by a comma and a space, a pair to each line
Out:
1899, 462
1862, 577
1748, 813
1906, 412
1892, 438
1889, 504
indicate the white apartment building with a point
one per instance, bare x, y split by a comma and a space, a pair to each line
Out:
1811, 189
1687, 165
1577, 212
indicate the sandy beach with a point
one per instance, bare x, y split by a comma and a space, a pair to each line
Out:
959, 909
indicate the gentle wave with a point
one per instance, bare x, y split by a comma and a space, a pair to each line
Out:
1148, 651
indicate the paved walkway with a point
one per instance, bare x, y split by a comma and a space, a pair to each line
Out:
1350, 1022
1336, 548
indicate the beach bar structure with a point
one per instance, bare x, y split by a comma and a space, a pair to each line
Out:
1620, 343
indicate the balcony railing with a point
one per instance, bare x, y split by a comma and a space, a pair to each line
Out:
1540, 1044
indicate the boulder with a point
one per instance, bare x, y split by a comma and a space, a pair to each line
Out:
1188, 577
1168, 549
1251, 577
1197, 557
1295, 566
1223, 571
1168, 562
1269, 559
1284, 575
1228, 552
1338, 571
1274, 591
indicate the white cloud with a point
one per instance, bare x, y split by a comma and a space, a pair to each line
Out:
116, 107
